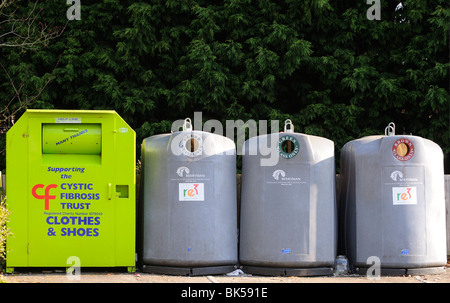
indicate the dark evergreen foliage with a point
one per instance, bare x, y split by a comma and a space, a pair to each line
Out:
321, 63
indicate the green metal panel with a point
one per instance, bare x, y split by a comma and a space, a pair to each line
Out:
71, 139
74, 198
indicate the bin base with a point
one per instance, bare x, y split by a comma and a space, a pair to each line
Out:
280, 271
403, 271
188, 271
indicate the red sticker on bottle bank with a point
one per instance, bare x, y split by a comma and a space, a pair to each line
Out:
403, 149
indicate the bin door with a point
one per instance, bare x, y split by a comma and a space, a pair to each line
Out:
71, 207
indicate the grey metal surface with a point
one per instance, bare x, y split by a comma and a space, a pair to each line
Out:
288, 211
179, 230
291, 272
188, 271
393, 207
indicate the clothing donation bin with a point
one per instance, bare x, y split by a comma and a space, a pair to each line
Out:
188, 208
392, 204
71, 190
288, 223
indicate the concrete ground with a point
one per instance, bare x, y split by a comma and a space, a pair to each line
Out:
121, 276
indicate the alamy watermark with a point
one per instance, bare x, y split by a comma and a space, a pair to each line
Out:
374, 12
374, 271
268, 147
74, 11
73, 272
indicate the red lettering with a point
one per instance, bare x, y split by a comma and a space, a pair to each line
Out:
46, 195
195, 187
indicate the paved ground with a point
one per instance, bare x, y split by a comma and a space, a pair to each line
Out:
117, 276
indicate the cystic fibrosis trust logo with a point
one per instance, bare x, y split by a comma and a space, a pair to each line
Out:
46, 197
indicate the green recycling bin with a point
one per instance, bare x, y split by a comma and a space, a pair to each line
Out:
71, 190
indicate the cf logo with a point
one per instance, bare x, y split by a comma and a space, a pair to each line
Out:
46, 195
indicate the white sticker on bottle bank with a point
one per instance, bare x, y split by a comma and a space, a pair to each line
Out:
191, 191
404, 195
68, 120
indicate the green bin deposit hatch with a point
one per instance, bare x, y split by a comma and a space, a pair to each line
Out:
71, 190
